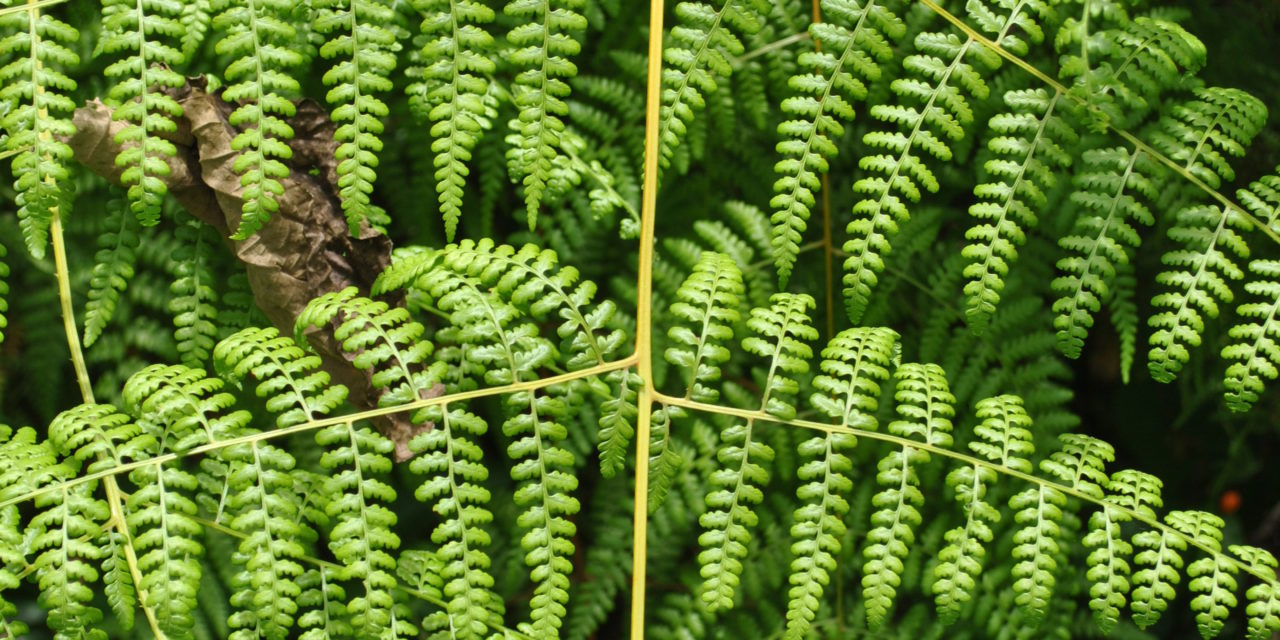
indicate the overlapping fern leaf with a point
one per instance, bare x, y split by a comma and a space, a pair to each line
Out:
854, 365
931, 113
704, 40
451, 94
1029, 150
361, 44
542, 45
34, 85
258, 35
780, 334
390, 345
924, 408
858, 40
150, 34
1111, 190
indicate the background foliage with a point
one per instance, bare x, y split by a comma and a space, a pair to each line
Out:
963, 319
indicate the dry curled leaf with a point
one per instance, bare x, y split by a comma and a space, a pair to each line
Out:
303, 251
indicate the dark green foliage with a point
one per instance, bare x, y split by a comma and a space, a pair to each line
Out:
944, 200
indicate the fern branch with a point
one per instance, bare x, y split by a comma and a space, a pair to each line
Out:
1128, 137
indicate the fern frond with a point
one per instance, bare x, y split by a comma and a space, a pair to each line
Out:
1210, 577
1264, 607
62, 537
326, 603
854, 365
112, 270
924, 408
117, 582
265, 509
510, 350
781, 332
541, 47
708, 300
196, 18
454, 472
1107, 193
1132, 66
383, 338
699, 53
455, 70
1262, 199
1254, 344
195, 317
533, 281
289, 378
1198, 133
858, 40
1197, 277
34, 87
100, 436
932, 109
258, 40
1004, 437
148, 31
617, 421
362, 45
1029, 148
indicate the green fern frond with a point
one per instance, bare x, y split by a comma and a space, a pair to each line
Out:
510, 351
117, 582
542, 45
196, 18
455, 70
1210, 577
1254, 344
1132, 66
1262, 199
858, 40
708, 300
924, 408
781, 332
62, 536
383, 340
854, 365
1197, 278
1198, 133
389, 344
113, 268
1107, 192
148, 31
700, 52
362, 45
454, 472
325, 602
1124, 316
264, 507
932, 109
361, 538
161, 511
617, 421
258, 41
1029, 149
289, 378
195, 318
34, 88
1004, 437
100, 436
1264, 607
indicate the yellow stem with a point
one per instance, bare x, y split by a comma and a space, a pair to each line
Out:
644, 321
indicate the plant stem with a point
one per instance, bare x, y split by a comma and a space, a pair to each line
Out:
644, 320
